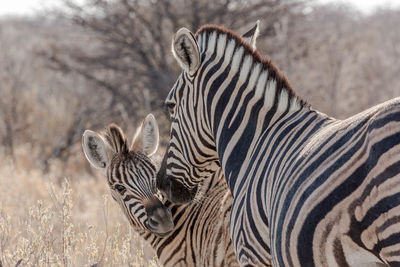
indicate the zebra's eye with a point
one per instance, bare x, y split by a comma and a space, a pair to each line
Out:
170, 107
119, 188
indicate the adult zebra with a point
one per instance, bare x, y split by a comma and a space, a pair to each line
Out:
200, 236
308, 189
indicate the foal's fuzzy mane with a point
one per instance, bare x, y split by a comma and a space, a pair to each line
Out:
115, 137
267, 64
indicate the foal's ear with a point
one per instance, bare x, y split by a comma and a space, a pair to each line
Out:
147, 136
95, 150
251, 36
186, 51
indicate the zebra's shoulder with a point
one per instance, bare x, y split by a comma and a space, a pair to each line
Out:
386, 112
389, 110
387, 117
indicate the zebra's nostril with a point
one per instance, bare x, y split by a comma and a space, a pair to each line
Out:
153, 222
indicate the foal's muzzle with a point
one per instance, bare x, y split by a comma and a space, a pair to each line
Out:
159, 218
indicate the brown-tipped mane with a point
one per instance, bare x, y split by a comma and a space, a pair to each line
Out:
116, 139
281, 80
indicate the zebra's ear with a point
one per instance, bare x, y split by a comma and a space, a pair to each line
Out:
186, 51
95, 150
147, 136
251, 36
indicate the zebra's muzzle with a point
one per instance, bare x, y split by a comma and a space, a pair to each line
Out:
175, 191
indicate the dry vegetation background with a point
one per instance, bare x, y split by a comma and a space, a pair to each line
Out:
84, 66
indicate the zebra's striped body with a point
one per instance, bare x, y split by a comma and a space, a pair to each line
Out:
200, 236
309, 190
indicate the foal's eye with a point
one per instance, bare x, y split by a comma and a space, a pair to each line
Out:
120, 188
170, 106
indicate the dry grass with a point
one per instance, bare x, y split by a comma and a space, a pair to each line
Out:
70, 223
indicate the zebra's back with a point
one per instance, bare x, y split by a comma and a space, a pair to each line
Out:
342, 194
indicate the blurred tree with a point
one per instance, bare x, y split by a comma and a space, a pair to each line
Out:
13, 100
122, 48
128, 54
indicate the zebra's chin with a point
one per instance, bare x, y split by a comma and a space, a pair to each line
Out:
176, 192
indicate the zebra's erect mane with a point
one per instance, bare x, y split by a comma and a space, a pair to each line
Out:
116, 139
267, 64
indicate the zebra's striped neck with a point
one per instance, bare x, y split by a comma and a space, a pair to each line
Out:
246, 96
246, 74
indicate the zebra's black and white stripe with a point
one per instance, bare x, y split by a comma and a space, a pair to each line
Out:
308, 189
182, 235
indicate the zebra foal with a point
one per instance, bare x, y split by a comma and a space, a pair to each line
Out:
181, 235
308, 189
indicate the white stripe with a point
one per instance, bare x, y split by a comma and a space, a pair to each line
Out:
237, 58
204, 42
254, 75
270, 92
283, 101
294, 104
211, 43
260, 88
221, 44
200, 43
244, 72
229, 49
